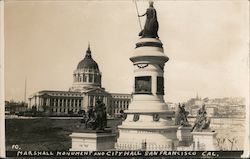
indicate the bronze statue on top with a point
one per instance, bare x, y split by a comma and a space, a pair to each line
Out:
151, 25
202, 121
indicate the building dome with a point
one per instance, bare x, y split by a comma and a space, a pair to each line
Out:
87, 62
87, 74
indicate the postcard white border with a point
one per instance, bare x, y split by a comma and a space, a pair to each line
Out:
2, 104
246, 153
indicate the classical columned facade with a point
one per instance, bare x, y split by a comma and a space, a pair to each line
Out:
57, 102
119, 103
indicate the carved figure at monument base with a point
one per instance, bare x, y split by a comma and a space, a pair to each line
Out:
96, 118
202, 121
181, 116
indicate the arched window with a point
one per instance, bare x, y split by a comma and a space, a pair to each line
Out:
77, 77
84, 78
90, 78
95, 78
91, 100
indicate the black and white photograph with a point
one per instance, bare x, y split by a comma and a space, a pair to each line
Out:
127, 78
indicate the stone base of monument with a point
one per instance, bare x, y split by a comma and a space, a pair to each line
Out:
92, 141
157, 142
184, 136
147, 139
204, 141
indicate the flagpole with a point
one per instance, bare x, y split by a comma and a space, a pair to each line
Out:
138, 14
25, 89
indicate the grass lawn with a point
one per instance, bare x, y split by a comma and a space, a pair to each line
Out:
43, 134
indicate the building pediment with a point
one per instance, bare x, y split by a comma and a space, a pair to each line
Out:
45, 95
96, 91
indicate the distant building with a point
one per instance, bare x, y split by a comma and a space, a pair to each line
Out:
220, 107
119, 102
193, 105
12, 107
211, 110
85, 91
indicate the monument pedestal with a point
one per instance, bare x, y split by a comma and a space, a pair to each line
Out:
204, 141
91, 141
147, 139
184, 136
149, 125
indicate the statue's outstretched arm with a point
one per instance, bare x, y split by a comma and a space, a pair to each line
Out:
142, 15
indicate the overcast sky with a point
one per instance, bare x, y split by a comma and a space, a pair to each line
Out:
206, 41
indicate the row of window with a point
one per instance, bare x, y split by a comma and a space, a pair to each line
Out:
87, 70
123, 107
61, 110
64, 102
121, 97
90, 78
117, 111
120, 103
65, 94
56, 106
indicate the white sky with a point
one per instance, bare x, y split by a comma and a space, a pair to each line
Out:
207, 43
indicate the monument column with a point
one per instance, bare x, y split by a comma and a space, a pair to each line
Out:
149, 124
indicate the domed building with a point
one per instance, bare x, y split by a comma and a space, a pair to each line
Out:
87, 74
84, 92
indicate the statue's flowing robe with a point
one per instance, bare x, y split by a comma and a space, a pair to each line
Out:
151, 25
